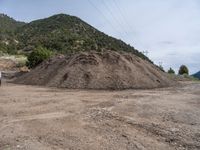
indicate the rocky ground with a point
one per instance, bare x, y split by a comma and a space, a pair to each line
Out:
37, 118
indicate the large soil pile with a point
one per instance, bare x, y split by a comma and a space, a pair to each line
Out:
95, 70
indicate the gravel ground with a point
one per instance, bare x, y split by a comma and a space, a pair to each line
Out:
37, 118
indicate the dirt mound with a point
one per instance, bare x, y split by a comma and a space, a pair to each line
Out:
95, 70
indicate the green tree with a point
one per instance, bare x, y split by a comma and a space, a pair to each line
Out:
37, 56
183, 70
171, 71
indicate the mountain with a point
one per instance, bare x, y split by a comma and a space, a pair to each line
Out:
65, 34
8, 24
8, 27
197, 75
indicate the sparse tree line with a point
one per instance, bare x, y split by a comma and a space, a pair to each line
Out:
182, 70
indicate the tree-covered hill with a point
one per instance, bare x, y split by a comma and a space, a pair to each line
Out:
8, 24
65, 34
8, 27
197, 75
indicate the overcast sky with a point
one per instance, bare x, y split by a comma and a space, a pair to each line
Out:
168, 29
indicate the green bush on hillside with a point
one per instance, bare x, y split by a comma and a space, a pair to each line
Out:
171, 71
37, 56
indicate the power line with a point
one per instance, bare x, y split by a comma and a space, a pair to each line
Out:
121, 13
124, 18
115, 18
103, 16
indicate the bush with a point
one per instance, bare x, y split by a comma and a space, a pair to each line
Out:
171, 71
183, 70
37, 56
21, 60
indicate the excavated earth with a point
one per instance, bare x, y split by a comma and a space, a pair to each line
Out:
7, 64
97, 70
43, 118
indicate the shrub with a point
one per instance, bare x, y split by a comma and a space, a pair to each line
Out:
183, 70
21, 60
37, 56
171, 71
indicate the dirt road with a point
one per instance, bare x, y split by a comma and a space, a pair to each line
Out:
36, 118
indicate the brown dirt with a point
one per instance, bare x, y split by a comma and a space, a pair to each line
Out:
93, 70
36, 118
7, 64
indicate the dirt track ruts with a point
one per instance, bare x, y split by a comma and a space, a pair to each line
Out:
37, 118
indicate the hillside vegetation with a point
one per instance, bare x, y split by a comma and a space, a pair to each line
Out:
197, 75
8, 40
8, 24
62, 34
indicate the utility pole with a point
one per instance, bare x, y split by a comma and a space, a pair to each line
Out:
145, 52
160, 63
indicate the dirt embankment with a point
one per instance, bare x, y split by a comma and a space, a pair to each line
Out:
7, 64
93, 70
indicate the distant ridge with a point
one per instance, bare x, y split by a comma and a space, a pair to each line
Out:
8, 24
197, 75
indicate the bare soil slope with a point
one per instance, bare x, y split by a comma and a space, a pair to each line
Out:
95, 70
36, 118
7, 64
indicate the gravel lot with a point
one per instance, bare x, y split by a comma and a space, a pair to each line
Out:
37, 118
